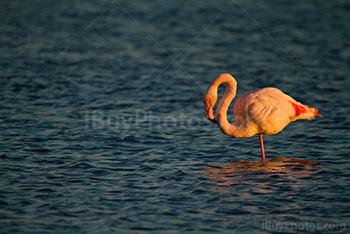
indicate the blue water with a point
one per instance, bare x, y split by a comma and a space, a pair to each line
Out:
103, 128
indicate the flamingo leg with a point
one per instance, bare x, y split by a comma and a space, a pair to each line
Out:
262, 148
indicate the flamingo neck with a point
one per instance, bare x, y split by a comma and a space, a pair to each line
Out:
221, 112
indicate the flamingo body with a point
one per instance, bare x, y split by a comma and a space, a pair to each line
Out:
267, 111
263, 111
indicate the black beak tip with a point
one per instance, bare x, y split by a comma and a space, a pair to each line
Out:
213, 121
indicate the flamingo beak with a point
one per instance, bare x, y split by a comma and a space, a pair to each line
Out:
210, 114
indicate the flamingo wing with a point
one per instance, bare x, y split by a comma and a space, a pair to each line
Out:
267, 110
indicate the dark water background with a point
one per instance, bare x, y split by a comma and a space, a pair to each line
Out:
103, 129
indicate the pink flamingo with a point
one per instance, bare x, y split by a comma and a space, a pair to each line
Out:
262, 111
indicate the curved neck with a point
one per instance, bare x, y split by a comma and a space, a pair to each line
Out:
221, 111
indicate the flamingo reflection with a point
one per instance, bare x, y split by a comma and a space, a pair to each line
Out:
261, 175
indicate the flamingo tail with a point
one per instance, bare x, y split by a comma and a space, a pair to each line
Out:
300, 109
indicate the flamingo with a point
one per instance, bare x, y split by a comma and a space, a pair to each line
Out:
262, 111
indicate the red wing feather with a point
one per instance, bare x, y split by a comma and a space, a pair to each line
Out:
299, 109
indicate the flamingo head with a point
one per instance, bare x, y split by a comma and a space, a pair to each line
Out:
209, 100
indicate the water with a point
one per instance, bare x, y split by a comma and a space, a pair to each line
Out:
103, 128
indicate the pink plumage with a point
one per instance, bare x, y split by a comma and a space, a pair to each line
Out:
262, 111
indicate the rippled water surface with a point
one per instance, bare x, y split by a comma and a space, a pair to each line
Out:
103, 128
